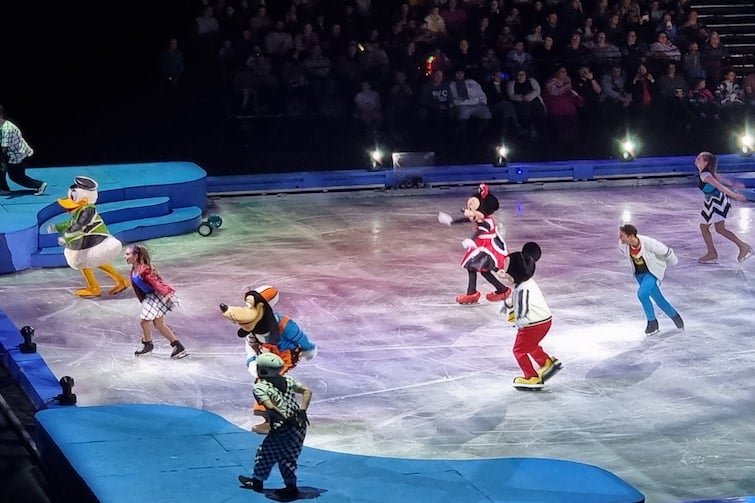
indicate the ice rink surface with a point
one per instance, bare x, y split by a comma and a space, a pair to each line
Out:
403, 371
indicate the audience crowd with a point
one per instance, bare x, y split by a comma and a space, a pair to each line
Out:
426, 72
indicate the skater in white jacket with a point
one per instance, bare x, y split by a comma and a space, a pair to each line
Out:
648, 259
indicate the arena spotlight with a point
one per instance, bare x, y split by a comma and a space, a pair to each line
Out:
27, 346
66, 397
746, 143
376, 158
501, 155
628, 150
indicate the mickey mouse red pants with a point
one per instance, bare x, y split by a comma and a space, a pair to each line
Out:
527, 343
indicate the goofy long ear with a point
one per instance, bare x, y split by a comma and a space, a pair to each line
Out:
268, 324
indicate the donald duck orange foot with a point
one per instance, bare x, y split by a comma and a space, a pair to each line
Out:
93, 289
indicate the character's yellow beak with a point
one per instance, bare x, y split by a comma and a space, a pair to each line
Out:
69, 204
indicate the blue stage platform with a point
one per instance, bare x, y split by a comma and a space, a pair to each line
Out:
137, 201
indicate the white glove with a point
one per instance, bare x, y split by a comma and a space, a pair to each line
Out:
308, 355
468, 244
61, 241
445, 218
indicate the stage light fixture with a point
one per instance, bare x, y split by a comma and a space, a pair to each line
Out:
746, 145
67, 397
376, 158
27, 346
628, 150
501, 155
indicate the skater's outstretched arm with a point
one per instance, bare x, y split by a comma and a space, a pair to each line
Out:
447, 219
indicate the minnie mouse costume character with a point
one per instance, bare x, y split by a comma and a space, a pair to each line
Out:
486, 249
531, 315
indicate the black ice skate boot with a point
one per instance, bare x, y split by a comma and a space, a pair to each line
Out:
147, 347
253, 484
179, 351
678, 321
652, 327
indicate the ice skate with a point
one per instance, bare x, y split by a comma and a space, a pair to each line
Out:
251, 483
468, 298
551, 367
147, 347
678, 321
533, 383
708, 258
652, 327
497, 297
179, 351
744, 256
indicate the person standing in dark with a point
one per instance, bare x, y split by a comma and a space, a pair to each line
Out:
13, 152
288, 428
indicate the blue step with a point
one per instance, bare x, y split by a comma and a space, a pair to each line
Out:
179, 221
112, 213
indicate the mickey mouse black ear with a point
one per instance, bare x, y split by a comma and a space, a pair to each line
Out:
532, 250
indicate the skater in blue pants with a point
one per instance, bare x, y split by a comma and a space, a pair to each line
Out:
648, 259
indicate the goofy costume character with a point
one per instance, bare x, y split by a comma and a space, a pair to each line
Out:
266, 331
86, 240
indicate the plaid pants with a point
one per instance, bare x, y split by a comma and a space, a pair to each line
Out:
283, 446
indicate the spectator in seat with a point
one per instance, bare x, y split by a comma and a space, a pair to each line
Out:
455, 18
618, 97
672, 90
435, 110
504, 115
643, 91
664, 50
368, 106
591, 111
464, 58
702, 101
633, 51
730, 95
693, 66
748, 86
546, 56
714, 57
517, 58
562, 103
604, 53
575, 54
278, 42
400, 106
469, 101
524, 93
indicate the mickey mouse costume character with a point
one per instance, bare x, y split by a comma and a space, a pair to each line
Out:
266, 331
486, 249
86, 240
531, 315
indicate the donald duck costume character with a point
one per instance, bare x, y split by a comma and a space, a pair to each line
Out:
86, 240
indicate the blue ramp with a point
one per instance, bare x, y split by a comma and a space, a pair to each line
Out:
138, 452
